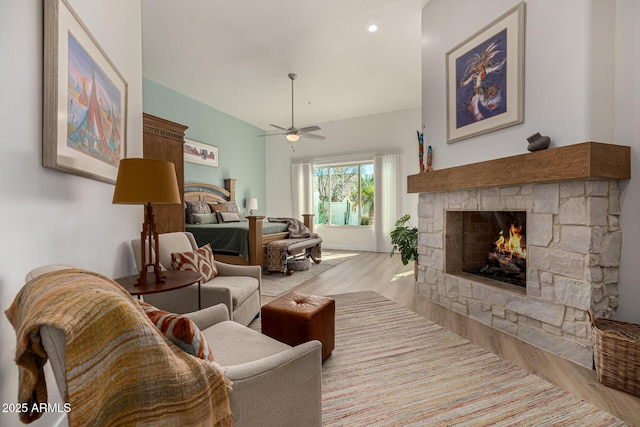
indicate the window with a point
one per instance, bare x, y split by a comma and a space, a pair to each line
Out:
343, 194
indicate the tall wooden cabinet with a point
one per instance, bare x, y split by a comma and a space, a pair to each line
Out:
164, 140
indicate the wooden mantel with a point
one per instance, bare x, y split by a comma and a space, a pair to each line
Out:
588, 160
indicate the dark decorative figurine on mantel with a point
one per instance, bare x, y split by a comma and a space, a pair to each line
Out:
421, 149
538, 142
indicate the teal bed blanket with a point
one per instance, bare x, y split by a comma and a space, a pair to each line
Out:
231, 237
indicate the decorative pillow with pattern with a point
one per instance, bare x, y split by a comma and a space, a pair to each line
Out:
200, 260
188, 212
180, 330
232, 207
197, 207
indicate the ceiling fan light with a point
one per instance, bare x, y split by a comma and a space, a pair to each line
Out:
292, 137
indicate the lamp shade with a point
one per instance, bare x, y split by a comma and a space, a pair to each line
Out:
293, 137
142, 181
252, 204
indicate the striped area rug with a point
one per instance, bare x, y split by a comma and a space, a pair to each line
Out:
392, 367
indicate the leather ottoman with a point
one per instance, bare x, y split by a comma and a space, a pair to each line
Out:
296, 318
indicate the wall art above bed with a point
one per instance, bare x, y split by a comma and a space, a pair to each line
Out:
199, 153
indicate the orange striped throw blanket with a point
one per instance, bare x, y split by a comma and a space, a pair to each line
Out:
120, 370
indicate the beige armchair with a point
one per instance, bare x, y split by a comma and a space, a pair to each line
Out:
237, 287
273, 384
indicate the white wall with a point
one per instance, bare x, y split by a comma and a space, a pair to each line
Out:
555, 78
49, 216
627, 131
390, 132
569, 90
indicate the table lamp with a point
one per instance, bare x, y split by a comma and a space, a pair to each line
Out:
252, 205
143, 182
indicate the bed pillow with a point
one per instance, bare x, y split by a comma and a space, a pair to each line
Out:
228, 217
215, 206
232, 207
187, 212
180, 330
209, 218
197, 207
200, 260
218, 207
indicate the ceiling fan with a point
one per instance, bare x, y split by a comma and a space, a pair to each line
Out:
293, 133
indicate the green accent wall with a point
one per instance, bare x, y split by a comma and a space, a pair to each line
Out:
241, 152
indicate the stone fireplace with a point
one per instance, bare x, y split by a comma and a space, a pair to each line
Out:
572, 241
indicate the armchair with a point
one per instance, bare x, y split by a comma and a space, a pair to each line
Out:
237, 287
273, 383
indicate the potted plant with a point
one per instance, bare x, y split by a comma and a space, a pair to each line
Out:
405, 240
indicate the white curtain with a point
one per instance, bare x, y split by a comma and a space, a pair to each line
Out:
388, 202
301, 189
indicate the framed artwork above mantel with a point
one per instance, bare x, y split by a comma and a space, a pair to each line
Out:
485, 78
84, 99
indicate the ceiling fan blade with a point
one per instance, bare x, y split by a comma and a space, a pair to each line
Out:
278, 127
311, 136
272, 134
309, 129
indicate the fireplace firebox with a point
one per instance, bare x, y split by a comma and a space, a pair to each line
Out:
488, 244
494, 245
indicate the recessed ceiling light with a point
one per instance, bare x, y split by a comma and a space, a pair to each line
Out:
373, 28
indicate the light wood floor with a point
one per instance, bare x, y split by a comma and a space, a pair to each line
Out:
387, 276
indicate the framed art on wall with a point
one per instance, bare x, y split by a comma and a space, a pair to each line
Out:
85, 99
202, 154
485, 78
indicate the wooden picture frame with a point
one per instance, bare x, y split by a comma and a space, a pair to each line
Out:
200, 153
84, 99
485, 78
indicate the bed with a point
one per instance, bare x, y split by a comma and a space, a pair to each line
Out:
241, 243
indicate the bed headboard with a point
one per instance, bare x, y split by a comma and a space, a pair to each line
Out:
194, 191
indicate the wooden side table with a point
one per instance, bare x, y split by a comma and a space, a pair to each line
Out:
175, 279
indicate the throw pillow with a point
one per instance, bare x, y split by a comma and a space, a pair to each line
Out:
229, 217
188, 213
217, 207
197, 207
232, 207
200, 260
180, 330
209, 218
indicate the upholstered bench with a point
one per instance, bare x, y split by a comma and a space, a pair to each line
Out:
296, 318
279, 252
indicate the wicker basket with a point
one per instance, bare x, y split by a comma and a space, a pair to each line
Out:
616, 352
298, 264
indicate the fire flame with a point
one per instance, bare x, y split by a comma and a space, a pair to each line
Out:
514, 245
